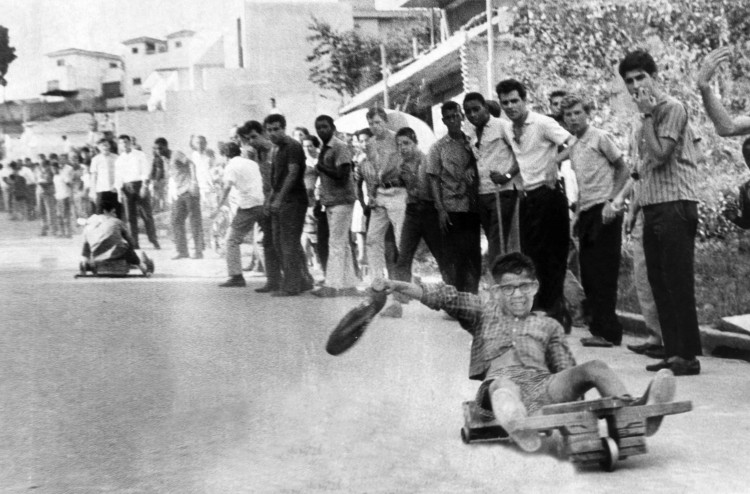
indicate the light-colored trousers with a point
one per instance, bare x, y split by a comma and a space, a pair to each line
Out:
640, 276
340, 268
389, 208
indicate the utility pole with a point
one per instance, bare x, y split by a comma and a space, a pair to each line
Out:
384, 69
490, 50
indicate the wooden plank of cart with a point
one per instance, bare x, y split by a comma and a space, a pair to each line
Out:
578, 424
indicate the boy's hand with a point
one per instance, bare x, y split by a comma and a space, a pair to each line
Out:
381, 284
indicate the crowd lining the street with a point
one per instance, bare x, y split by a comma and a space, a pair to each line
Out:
358, 206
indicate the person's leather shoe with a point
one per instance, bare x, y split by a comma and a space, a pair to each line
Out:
284, 293
684, 367
234, 282
325, 292
156, 245
394, 310
266, 289
180, 256
663, 364
657, 351
596, 341
349, 292
198, 255
642, 348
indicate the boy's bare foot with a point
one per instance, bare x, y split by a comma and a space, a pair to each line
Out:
510, 412
661, 389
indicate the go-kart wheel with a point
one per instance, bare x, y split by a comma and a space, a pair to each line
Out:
611, 452
465, 435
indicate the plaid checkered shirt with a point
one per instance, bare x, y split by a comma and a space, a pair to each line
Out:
538, 340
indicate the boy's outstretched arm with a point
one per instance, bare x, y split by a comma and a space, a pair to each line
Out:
411, 290
467, 308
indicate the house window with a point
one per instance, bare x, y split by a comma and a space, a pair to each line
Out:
150, 48
113, 65
162, 48
134, 49
53, 85
178, 44
111, 90
136, 81
61, 62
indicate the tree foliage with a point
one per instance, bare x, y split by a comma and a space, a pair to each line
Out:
578, 45
7, 54
349, 61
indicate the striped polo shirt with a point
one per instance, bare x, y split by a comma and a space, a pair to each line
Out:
676, 178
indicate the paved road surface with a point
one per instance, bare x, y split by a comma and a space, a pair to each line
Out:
174, 385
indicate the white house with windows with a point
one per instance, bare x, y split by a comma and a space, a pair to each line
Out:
73, 72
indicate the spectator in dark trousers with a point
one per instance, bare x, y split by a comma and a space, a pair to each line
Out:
254, 140
287, 205
601, 174
453, 178
132, 177
544, 222
669, 202
421, 219
494, 164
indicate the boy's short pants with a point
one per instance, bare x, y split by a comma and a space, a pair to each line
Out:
533, 384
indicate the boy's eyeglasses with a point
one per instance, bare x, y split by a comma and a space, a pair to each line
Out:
509, 290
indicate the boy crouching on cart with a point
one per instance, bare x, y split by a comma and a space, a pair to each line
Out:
521, 356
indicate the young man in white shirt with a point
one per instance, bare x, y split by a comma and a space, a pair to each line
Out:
63, 193
132, 176
102, 174
243, 175
544, 222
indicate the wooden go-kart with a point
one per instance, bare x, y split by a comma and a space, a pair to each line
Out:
113, 268
578, 423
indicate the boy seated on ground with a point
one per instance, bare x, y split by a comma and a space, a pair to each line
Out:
106, 238
521, 356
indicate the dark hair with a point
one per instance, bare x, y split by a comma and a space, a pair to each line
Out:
364, 131
161, 141
637, 60
507, 86
250, 126
515, 263
407, 132
326, 118
377, 110
557, 93
572, 100
275, 118
475, 97
231, 149
303, 130
494, 108
103, 140
108, 201
315, 141
449, 106
124, 137
746, 150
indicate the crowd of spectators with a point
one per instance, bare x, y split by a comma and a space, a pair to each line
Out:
358, 206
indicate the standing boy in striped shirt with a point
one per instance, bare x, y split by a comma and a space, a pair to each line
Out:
669, 202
